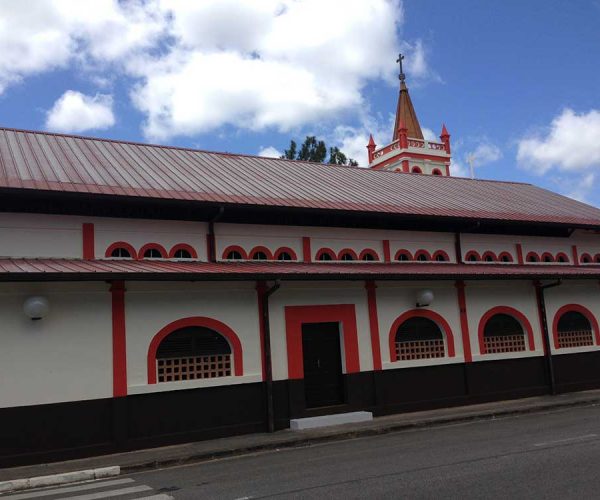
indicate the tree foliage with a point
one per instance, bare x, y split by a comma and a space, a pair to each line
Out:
316, 151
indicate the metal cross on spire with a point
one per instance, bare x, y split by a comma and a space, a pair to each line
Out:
401, 76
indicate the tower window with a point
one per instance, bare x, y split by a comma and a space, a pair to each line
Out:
416, 170
436, 171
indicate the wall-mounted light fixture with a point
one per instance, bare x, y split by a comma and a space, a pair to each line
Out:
424, 298
35, 308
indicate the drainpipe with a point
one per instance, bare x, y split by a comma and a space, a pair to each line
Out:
458, 248
264, 294
539, 291
212, 246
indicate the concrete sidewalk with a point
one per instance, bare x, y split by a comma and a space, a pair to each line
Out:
238, 445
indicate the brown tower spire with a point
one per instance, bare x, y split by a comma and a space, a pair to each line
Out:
406, 113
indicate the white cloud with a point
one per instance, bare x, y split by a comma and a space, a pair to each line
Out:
481, 152
485, 153
429, 135
570, 143
77, 112
270, 152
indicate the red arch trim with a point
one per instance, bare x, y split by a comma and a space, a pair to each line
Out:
470, 253
489, 253
597, 258
368, 251
511, 311
424, 252
564, 256
348, 251
260, 248
155, 246
182, 246
442, 253
546, 257
213, 324
234, 248
584, 257
505, 254
532, 255
325, 250
280, 250
421, 313
436, 171
580, 309
121, 244
405, 252
416, 170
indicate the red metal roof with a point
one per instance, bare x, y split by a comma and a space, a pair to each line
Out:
54, 162
77, 269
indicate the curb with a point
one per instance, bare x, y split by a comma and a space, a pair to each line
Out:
301, 441
58, 479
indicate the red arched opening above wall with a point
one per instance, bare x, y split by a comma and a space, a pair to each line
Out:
581, 310
234, 248
152, 246
182, 246
263, 249
213, 324
121, 244
287, 250
439, 320
510, 311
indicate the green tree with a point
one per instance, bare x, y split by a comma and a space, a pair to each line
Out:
316, 151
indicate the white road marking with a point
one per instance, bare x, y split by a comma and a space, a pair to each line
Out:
67, 489
161, 496
112, 493
567, 440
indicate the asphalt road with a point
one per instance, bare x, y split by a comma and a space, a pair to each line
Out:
549, 455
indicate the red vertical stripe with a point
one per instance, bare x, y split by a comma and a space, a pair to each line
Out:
261, 288
575, 255
87, 231
520, 253
118, 339
386, 251
306, 252
374, 323
464, 323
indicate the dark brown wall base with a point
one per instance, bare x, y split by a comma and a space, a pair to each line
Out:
34, 434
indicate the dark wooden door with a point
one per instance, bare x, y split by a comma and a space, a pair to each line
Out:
323, 381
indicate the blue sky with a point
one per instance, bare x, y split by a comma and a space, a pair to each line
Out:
517, 83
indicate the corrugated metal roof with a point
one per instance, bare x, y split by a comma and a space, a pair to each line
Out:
77, 269
44, 161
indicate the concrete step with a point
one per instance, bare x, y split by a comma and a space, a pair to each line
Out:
353, 417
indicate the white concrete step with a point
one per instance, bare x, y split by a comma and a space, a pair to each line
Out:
298, 424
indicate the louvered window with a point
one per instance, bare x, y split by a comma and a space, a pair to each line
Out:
419, 338
503, 333
193, 353
574, 330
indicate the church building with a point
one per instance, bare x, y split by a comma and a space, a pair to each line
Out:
154, 295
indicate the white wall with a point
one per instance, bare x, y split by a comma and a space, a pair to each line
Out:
65, 356
151, 306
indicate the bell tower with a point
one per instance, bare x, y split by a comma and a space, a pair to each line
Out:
409, 151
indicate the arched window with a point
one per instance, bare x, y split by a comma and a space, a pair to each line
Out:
193, 352
547, 257
234, 252
285, 253
419, 338
152, 251
121, 250
422, 256
505, 257
532, 257
182, 251
325, 254
259, 255
586, 258
368, 255
574, 330
347, 255
503, 333
436, 171
489, 257
403, 256
597, 258
562, 258
121, 253
472, 256
441, 256
416, 170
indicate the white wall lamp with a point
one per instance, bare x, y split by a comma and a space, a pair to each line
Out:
424, 298
35, 308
